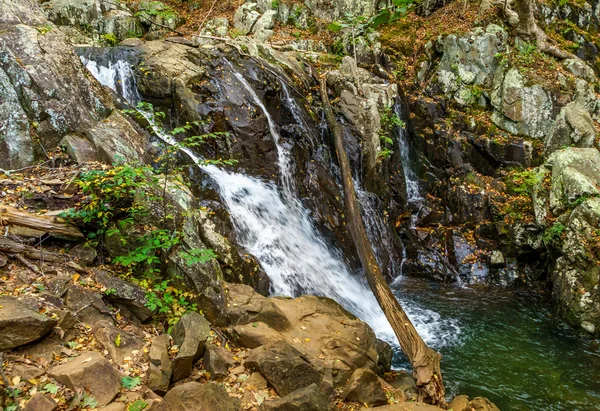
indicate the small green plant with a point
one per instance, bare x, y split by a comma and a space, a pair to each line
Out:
521, 183
44, 28
110, 39
554, 234
388, 120
275, 4
130, 383
138, 405
156, 9
88, 401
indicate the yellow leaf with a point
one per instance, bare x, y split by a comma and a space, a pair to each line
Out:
16, 380
76, 277
308, 339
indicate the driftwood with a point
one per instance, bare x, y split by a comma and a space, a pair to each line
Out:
50, 224
424, 360
12, 247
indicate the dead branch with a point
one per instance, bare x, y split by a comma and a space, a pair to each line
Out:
51, 224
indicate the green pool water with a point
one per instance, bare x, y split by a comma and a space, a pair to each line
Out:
506, 345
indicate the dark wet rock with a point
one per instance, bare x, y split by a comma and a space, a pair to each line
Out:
284, 367
124, 293
119, 343
190, 334
217, 360
90, 371
40, 402
193, 396
161, 367
245, 306
365, 387
309, 398
384, 357
20, 325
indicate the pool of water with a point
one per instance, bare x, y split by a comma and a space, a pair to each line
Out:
510, 348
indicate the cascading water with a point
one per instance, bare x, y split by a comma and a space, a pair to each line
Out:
413, 193
278, 231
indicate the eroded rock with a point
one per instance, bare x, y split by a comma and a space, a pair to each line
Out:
19, 325
193, 396
190, 334
365, 387
161, 367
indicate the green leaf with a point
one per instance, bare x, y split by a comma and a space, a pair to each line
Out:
335, 26
89, 401
138, 405
130, 383
50, 388
118, 340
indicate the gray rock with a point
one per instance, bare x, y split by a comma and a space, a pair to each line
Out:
85, 255
123, 293
284, 367
309, 398
575, 173
245, 18
217, 360
161, 367
87, 305
193, 396
20, 325
520, 109
190, 334
90, 371
573, 127
365, 387
265, 22
580, 69
496, 259
40, 402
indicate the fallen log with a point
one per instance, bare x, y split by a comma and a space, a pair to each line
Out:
424, 360
50, 224
12, 247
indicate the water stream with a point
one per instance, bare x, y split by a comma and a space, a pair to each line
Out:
496, 343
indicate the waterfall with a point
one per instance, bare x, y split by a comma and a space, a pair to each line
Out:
277, 230
413, 193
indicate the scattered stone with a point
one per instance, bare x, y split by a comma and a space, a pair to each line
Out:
284, 367
40, 402
90, 371
217, 361
384, 357
309, 398
190, 334
365, 387
193, 396
256, 381
83, 254
20, 325
26, 372
245, 18
124, 293
161, 367
115, 406
58, 286
87, 305
119, 343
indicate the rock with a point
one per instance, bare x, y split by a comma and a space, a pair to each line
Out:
190, 334
365, 387
115, 406
520, 109
244, 306
284, 367
87, 305
161, 367
573, 127
459, 403
193, 396
90, 371
409, 406
20, 325
405, 383
108, 335
217, 361
255, 334
245, 18
158, 405
265, 22
80, 149
40, 402
124, 293
256, 382
85, 255
470, 60
578, 68
462, 403
496, 259
117, 139
309, 398
575, 276
575, 173
27, 372
384, 357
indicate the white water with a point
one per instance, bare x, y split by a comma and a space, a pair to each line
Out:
277, 230
413, 192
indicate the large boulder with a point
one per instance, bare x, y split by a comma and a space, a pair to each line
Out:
573, 127
319, 328
284, 367
124, 294
92, 372
366, 387
193, 396
217, 361
520, 109
244, 306
462, 403
119, 344
19, 325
